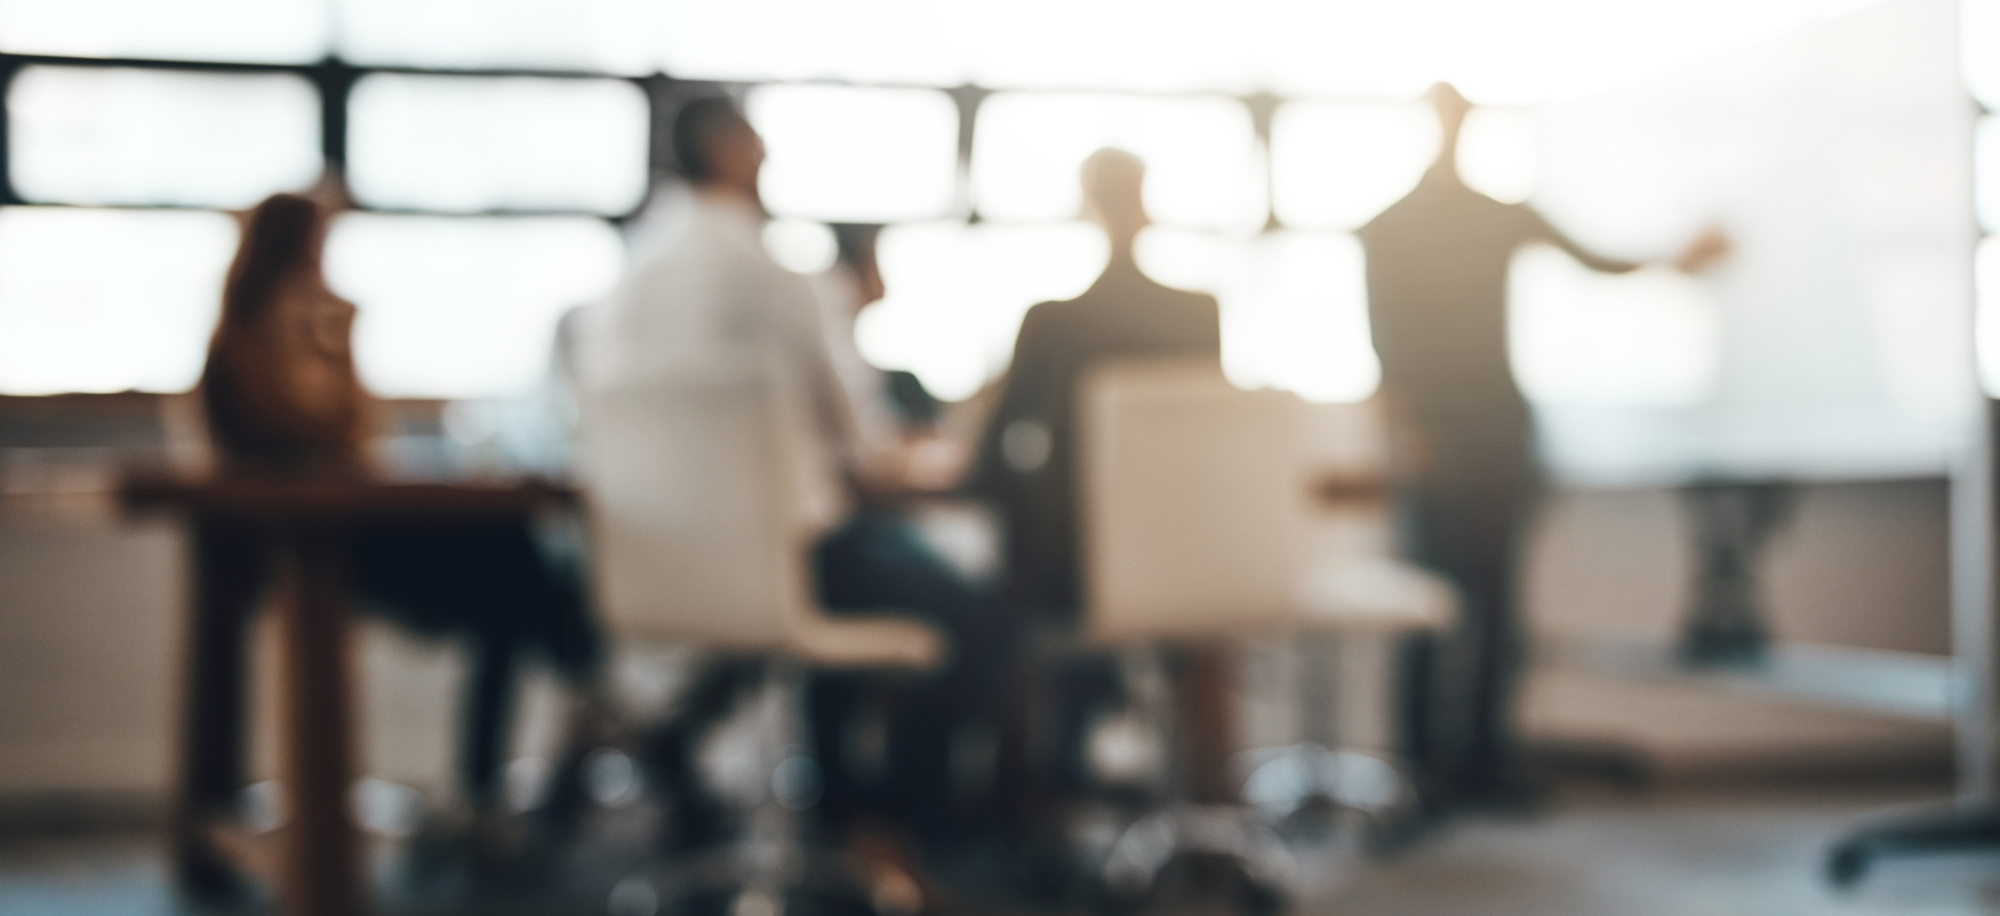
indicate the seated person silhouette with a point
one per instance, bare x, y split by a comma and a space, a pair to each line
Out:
1026, 461
282, 399
709, 299
846, 290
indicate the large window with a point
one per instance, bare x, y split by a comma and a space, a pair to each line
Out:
495, 151
278, 31
1986, 173
1497, 153
956, 294
1336, 166
910, 42
98, 299
471, 144
464, 306
857, 155
92, 135
1205, 167
1980, 25
1294, 306
606, 36
1143, 45
108, 300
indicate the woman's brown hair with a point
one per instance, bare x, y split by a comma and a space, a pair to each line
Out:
276, 398
280, 240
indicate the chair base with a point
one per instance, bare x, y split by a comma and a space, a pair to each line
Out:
1967, 828
1225, 840
1297, 777
758, 860
747, 879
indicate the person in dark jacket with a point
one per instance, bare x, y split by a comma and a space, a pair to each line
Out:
1026, 462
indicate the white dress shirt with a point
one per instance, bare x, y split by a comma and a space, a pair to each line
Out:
709, 301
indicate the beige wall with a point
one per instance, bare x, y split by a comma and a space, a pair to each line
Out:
89, 640
87, 647
90, 649
1861, 564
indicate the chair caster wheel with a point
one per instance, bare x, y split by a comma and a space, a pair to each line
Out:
1847, 865
1255, 898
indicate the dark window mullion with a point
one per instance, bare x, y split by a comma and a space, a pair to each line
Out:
8, 68
335, 81
967, 99
1263, 110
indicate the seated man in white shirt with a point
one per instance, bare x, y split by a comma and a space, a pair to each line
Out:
710, 295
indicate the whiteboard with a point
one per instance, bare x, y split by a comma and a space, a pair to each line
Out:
1836, 342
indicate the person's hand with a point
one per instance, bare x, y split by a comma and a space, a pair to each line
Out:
932, 462
1710, 246
920, 465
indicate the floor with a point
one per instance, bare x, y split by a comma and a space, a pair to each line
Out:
1714, 854
1741, 853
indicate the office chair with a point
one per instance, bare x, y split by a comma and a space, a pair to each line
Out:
1201, 524
701, 526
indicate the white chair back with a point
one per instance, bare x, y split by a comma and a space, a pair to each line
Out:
1200, 518
698, 534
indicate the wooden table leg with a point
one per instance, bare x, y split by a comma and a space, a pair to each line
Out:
320, 871
228, 569
1206, 725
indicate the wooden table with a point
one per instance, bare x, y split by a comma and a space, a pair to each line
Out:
307, 524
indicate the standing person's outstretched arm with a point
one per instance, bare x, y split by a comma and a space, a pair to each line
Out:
1708, 247
1540, 229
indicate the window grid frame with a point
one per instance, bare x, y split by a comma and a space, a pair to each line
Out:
333, 79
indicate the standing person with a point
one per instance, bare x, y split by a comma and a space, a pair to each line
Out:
283, 400
1026, 461
711, 300
1437, 264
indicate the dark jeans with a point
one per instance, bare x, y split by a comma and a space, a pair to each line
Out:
876, 563
1458, 687
489, 584
493, 586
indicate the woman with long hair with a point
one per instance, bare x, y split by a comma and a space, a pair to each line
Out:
283, 399
280, 388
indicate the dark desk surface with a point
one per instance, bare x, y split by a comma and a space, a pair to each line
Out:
338, 499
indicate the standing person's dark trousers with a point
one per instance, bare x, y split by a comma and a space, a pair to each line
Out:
1465, 517
877, 563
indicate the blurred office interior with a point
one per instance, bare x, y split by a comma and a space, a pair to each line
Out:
1810, 417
